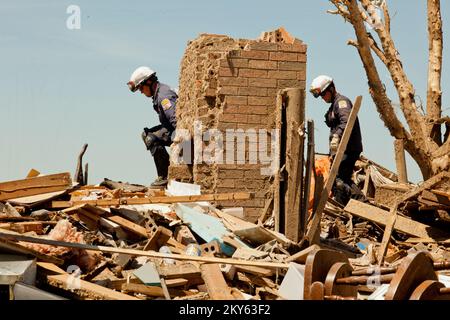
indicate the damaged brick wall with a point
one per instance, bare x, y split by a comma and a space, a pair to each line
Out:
232, 84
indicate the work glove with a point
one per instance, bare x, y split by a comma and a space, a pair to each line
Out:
334, 143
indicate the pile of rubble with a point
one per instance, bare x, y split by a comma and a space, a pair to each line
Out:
60, 240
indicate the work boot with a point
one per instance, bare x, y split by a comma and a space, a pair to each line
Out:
159, 182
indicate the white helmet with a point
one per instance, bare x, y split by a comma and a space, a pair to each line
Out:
320, 84
138, 77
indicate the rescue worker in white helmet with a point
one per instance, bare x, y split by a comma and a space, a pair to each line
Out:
336, 119
164, 103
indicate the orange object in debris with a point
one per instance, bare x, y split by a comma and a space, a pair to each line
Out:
322, 169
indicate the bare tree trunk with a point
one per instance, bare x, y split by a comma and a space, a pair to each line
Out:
434, 93
422, 137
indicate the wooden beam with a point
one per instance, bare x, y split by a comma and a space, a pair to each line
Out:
172, 199
130, 226
308, 175
400, 160
17, 248
277, 175
153, 254
86, 290
393, 213
216, 285
313, 234
380, 217
295, 116
33, 186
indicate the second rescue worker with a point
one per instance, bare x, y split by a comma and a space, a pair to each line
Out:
336, 119
164, 103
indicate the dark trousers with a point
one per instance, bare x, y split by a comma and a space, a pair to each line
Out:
344, 188
156, 141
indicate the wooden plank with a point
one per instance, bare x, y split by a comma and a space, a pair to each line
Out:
86, 290
134, 252
153, 291
380, 217
295, 116
158, 239
130, 226
400, 160
257, 271
300, 257
277, 175
308, 175
409, 195
17, 248
172, 199
216, 285
50, 268
313, 234
33, 186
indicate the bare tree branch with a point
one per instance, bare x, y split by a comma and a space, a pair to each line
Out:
387, 17
404, 87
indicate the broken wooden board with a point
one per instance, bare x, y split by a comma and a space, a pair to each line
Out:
215, 283
84, 289
10, 246
129, 226
153, 200
402, 224
133, 252
33, 201
34, 186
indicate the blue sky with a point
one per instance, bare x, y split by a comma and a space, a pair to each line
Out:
61, 88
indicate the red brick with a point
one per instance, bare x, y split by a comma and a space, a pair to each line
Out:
233, 81
253, 73
228, 90
262, 64
223, 126
292, 75
263, 45
301, 75
236, 100
289, 83
283, 56
254, 119
231, 109
263, 83
231, 174
260, 101
252, 91
227, 72
296, 47
226, 183
291, 65
255, 54
301, 57
253, 109
234, 63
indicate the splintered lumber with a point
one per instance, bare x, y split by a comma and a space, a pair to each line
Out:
313, 234
402, 224
78, 176
300, 257
400, 160
133, 252
257, 271
215, 283
130, 226
84, 289
17, 248
393, 213
33, 173
295, 116
33, 186
152, 200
